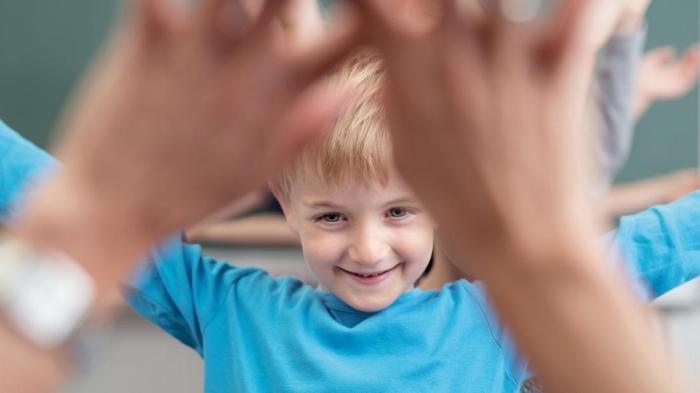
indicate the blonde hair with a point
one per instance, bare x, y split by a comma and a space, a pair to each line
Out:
358, 146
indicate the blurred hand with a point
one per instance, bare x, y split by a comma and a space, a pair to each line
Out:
303, 22
183, 113
486, 120
604, 18
663, 76
478, 110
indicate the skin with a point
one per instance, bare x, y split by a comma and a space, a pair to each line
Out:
361, 228
663, 76
628, 198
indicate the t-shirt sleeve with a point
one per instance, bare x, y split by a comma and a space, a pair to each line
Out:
181, 290
20, 163
662, 245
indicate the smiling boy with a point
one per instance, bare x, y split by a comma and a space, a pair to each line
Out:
366, 243
363, 232
366, 329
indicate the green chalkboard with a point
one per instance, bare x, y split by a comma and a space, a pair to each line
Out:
667, 137
44, 47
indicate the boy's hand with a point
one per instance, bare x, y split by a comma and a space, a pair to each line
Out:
185, 112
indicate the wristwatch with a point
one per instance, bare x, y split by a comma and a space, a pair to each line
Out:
44, 295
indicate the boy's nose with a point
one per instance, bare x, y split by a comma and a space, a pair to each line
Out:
368, 250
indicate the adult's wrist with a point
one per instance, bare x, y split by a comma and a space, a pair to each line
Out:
105, 238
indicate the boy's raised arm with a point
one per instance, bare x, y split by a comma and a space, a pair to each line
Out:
486, 120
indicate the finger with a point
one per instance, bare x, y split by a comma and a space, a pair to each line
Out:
449, 12
664, 54
691, 57
471, 12
690, 64
227, 17
314, 62
271, 11
515, 11
154, 17
314, 114
383, 28
504, 38
564, 40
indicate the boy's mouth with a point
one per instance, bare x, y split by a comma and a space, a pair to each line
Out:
370, 278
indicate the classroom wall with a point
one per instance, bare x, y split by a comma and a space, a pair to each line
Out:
45, 45
667, 138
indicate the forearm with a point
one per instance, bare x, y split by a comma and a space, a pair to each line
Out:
630, 198
594, 325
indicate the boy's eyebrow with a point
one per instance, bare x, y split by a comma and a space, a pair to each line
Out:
330, 205
320, 204
401, 200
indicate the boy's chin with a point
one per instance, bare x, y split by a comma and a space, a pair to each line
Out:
370, 302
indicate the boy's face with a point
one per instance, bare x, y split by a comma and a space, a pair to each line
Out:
367, 244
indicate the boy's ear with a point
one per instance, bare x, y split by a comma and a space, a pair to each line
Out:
284, 204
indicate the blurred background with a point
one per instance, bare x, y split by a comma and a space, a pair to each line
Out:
44, 48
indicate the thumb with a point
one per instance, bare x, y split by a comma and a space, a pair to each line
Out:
152, 17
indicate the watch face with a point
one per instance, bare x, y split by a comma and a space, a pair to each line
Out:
45, 295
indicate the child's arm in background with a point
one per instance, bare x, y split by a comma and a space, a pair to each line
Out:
633, 197
664, 77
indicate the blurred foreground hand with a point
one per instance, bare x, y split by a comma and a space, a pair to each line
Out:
185, 111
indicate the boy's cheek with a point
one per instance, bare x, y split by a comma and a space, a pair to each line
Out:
417, 240
321, 250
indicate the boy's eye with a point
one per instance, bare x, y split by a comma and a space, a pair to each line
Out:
330, 218
397, 212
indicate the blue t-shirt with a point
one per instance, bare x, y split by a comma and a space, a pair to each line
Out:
259, 333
